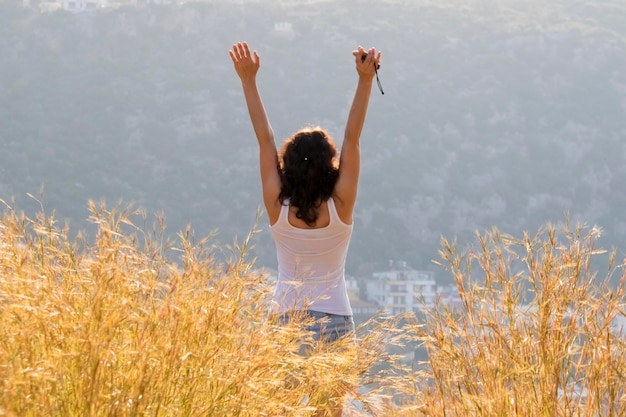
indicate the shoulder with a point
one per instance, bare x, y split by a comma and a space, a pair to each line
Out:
272, 207
344, 209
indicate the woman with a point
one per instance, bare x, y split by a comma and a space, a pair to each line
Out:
309, 197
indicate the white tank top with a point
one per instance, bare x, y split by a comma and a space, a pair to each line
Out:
311, 265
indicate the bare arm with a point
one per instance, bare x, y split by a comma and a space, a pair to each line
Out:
350, 158
247, 66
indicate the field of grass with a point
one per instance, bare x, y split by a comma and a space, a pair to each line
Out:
129, 324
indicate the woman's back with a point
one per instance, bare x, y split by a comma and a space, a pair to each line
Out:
323, 218
311, 263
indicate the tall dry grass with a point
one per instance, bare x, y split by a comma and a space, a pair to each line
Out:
131, 324
536, 334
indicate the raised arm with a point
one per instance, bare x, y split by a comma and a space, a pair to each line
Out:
350, 157
247, 65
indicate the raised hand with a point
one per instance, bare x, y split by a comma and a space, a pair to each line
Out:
368, 66
246, 64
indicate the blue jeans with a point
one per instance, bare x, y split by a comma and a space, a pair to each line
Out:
327, 328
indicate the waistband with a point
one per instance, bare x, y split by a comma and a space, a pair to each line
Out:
321, 314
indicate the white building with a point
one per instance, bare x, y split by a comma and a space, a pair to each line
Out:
82, 5
449, 296
402, 290
283, 27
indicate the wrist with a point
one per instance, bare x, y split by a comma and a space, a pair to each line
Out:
248, 82
366, 79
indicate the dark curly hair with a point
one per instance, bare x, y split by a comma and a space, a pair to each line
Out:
308, 171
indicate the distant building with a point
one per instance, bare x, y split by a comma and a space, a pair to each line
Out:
283, 27
77, 6
448, 295
44, 6
402, 289
284, 30
362, 310
352, 287
159, 2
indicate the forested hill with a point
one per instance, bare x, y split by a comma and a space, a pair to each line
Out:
496, 113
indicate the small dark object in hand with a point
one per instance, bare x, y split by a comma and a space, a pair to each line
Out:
363, 56
376, 68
